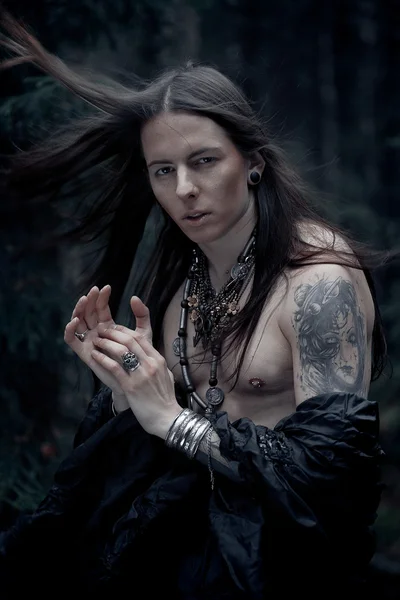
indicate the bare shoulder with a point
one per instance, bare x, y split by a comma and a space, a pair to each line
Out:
330, 280
327, 317
328, 271
324, 238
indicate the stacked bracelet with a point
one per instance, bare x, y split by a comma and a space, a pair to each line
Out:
187, 431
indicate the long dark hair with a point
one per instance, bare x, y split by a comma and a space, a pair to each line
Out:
118, 208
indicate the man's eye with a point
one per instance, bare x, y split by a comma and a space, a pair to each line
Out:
207, 160
163, 171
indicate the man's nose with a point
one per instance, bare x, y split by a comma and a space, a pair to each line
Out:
185, 186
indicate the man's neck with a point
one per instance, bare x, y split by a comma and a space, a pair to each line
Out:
223, 254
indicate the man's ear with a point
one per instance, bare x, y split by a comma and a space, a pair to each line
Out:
256, 162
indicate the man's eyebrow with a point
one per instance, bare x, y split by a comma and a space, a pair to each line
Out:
160, 161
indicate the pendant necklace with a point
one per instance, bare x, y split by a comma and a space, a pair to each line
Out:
211, 315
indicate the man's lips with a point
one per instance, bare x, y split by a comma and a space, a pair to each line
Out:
197, 214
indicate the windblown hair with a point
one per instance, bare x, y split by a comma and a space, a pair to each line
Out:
117, 210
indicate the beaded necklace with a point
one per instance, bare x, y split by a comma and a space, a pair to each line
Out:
211, 314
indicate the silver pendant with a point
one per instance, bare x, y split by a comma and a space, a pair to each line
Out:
175, 346
239, 271
215, 396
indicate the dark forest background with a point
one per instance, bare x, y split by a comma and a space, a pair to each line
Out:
325, 72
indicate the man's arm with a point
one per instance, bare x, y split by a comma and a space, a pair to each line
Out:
325, 318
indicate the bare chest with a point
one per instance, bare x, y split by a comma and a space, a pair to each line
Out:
264, 389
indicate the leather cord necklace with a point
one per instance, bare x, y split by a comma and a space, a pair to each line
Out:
211, 314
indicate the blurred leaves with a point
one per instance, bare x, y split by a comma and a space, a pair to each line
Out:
24, 485
29, 311
44, 102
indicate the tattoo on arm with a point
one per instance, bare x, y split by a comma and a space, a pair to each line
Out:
331, 337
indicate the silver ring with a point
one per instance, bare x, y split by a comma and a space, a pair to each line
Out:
81, 336
130, 362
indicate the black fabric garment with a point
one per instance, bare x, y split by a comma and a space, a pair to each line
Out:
126, 513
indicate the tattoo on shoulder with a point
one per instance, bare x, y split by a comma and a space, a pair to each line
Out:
331, 332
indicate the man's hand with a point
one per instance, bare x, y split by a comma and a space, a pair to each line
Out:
89, 312
92, 311
149, 388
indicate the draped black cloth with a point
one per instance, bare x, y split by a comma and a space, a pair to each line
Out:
126, 514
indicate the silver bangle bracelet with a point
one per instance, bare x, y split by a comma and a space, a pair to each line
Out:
194, 437
187, 431
177, 426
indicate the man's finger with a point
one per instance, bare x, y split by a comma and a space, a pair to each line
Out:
102, 305
90, 308
70, 338
142, 316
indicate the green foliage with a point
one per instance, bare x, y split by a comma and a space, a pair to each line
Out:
29, 313
43, 103
25, 478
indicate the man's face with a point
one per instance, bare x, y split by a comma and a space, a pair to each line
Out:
194, 166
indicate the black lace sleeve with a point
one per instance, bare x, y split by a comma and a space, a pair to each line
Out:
329, 438
97, 414
310, 487
273, 445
